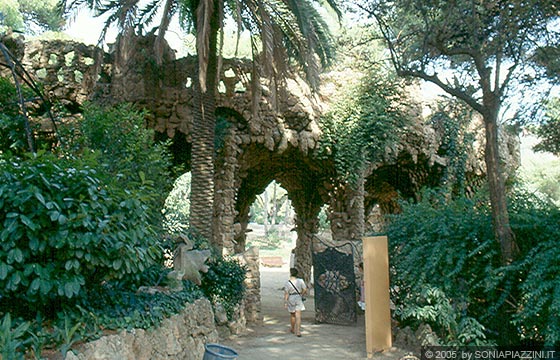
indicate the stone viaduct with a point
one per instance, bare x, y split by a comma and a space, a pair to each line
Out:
272, 135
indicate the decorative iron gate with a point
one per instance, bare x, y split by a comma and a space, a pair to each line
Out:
335, 285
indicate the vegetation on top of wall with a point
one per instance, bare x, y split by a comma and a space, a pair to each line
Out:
452, 120
446, 271
125, 150
361, 126
224, 283
121, 305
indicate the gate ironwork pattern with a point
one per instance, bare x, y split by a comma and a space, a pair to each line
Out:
334, 285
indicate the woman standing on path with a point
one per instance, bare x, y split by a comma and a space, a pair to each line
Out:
294, 290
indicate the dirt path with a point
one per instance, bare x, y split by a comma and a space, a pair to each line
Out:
272, 340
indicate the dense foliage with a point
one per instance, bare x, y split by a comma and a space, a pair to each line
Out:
447, 271
30, 16
12, 123
121, 305
117, 304
453, 121
64, 230
362, 124
223, 284
82, 232
70, 224
126, 152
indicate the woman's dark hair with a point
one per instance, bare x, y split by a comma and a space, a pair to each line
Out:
293, 272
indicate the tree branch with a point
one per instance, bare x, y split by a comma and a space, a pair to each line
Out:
434, 79
402, 71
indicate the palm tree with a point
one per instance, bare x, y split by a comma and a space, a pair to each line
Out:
282, 32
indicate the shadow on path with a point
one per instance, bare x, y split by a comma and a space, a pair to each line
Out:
272, 340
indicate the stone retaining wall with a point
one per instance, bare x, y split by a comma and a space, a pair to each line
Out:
182, 336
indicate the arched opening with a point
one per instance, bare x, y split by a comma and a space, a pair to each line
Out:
271, 221
271, 229
176, 209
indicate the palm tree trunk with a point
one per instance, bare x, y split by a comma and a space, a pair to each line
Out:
204, 121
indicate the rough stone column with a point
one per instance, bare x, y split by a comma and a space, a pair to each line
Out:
253, 307
306, 228
346, 212
224, 194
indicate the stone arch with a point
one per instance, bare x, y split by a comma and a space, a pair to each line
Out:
403, 178
303, 180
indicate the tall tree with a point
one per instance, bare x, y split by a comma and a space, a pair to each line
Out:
282, 31
478, 51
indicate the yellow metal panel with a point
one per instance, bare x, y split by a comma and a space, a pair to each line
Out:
376, 278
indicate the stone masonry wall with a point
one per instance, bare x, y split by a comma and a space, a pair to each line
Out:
182, 336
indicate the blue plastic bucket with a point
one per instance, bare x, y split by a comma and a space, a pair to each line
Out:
217, 352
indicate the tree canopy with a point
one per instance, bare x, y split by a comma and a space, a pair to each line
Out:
549, 130
31, 16
478, 51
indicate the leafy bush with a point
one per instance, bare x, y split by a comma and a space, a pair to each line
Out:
537, 317
71, 224
119, 305
80, 236
442, 246
63, 230
12, 122
126, 151
447, 248
127, 147
433, 307
537, 225
223, 283
361, 126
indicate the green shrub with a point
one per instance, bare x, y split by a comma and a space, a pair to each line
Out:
442, 246
126, 146
63, 230
540, 305
126, 152
448, 322
448, 246
537, 225
224, 283
78, 237
13, 137
119, 304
